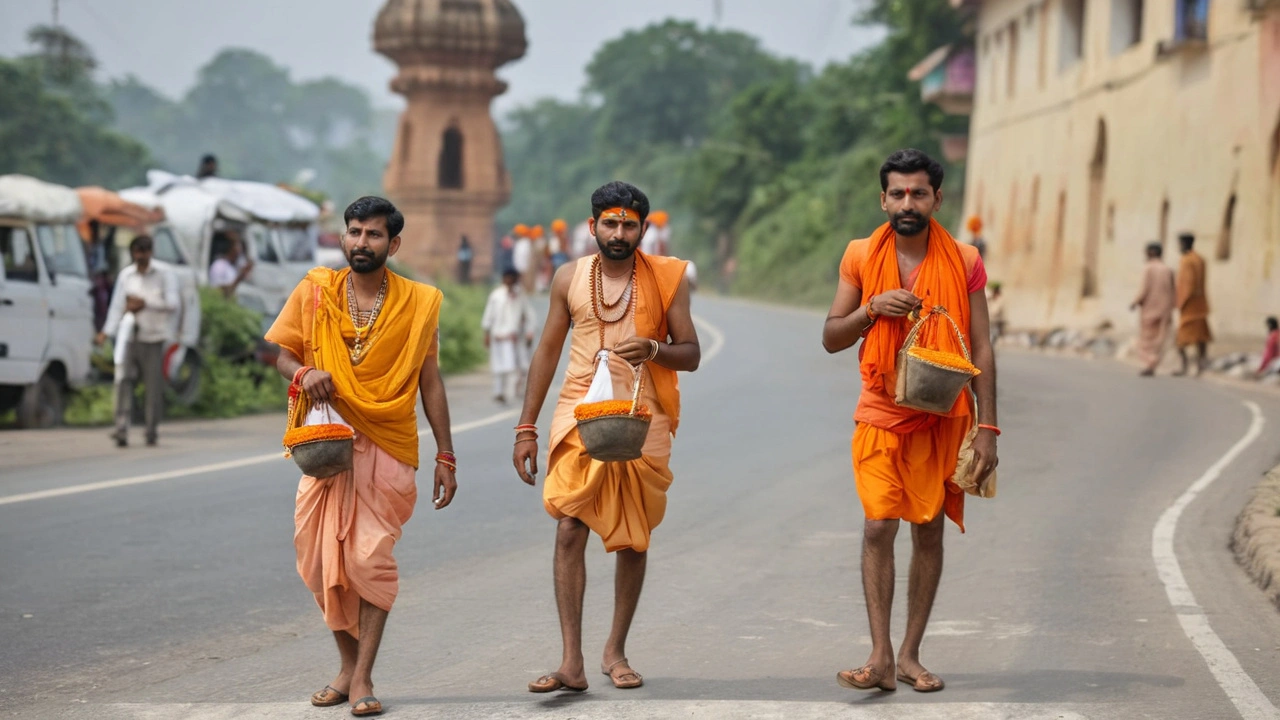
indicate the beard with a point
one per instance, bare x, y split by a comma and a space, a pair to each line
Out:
365, 263
616, 249
909, 223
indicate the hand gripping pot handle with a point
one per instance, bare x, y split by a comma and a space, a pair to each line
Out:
925, 384
617, 437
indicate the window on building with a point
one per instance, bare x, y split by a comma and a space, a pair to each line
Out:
1192, 20
450, 167
1013, 58
1164, 222
1071, 20
406, 140
1029, 239
1059, 229
1111, 222
1224, 237
1042, 50
1126, 24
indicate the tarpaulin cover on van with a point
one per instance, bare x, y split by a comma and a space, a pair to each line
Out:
31, 199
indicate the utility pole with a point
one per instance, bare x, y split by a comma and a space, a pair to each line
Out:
55, 13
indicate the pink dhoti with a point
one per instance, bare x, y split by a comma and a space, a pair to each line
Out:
345, 529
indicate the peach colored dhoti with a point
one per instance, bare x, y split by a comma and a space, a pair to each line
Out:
345, 528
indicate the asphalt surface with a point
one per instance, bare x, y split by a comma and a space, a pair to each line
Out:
177, 597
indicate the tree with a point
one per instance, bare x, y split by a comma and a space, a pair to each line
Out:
44, 134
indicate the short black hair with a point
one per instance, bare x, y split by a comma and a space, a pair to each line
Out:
209, 158
1187, 239
1155, 250
909, 161
141, 243
510, 271
619, 194
371, 206
1273, 323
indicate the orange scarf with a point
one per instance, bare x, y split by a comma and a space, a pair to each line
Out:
657, 279
379, 396
940, 280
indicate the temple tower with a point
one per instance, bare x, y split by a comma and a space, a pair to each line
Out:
446, 172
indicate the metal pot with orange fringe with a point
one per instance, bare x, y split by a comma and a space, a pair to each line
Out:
322, 450
615, 430
930, 379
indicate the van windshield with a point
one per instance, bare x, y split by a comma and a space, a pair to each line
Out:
299, 242
166, 248
63, 250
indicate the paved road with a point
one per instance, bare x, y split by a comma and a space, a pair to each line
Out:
178, 598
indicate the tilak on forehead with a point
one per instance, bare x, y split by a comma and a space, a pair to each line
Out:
620, 213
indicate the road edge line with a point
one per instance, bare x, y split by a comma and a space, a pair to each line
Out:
1241, 690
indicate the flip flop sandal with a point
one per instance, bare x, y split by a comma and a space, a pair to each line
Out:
849, 679
624, 684
932, 683
552, 683
328, 697
371, 707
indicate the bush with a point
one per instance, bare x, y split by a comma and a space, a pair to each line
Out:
461, 340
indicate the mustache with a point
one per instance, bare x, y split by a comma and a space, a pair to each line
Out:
908, 214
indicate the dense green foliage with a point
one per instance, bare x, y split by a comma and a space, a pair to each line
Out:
756, 156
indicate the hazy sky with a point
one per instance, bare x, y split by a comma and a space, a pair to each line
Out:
164, 42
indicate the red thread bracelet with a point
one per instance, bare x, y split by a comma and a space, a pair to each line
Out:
992, 428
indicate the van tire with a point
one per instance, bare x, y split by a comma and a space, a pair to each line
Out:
43, 403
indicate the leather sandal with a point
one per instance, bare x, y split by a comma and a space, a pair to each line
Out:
867, 677
619, 681
371, 707
924, 682
552, 683
328, 697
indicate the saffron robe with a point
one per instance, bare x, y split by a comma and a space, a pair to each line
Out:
903, 459
622, 502
1193, 303
346, 527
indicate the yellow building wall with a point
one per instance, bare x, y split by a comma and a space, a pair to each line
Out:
1126, 132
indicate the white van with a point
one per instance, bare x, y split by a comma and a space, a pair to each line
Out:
278, 227
46, 312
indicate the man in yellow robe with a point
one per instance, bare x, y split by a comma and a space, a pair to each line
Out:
1193, 305
904, 459
363, 342
632, 310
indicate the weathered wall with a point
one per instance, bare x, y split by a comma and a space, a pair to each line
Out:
1118, 149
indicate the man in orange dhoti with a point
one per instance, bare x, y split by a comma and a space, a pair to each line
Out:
364, 342
1193, 305
1156, 300
904, 459
633, 310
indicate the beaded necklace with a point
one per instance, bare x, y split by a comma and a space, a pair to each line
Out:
363, 321
609, 313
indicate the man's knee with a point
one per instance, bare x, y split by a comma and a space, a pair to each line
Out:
571, 534
929, 535
879, 533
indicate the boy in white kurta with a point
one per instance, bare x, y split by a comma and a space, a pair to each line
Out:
508, 323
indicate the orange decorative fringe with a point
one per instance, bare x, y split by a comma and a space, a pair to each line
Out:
315, 433
590, 411
943, 358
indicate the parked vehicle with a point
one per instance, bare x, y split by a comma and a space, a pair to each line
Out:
46, 312
278, 228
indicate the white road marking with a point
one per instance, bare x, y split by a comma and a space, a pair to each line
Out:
212, 467
717, 338
592, 706
1243, 692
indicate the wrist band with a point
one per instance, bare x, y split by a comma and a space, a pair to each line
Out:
654, 353
871, 314
992, 428
448, 460
301, 373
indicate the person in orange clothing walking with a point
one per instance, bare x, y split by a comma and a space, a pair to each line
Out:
904, 459
626, 311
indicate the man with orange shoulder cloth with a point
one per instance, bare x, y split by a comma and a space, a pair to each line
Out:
904, 459
631, 311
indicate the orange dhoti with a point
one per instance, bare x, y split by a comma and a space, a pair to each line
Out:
345, 528
622, 502
906, 475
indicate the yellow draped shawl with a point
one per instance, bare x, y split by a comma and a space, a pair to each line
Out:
379, 396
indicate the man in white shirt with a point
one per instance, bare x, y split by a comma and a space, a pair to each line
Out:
508, 320
148, 294
231, 268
